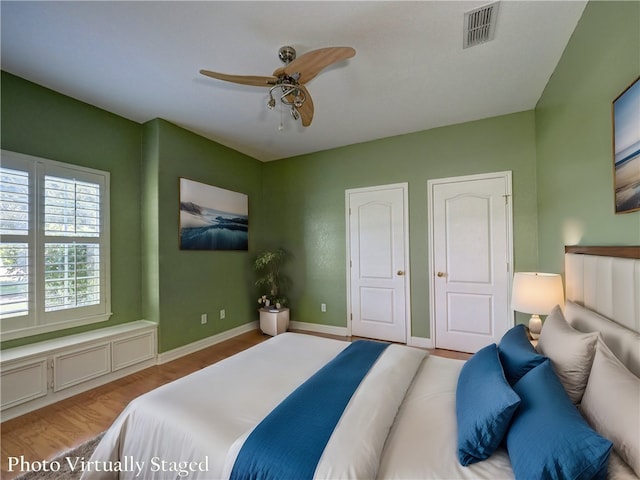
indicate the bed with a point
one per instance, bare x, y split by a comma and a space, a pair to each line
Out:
407, 413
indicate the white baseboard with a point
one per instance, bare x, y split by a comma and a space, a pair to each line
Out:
420, 342
170, 355
319, 328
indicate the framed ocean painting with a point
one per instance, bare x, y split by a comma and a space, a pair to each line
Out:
212, 218
626, 149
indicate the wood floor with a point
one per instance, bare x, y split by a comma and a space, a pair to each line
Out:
49, 431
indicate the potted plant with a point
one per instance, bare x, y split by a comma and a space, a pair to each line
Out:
270, 278
274, 317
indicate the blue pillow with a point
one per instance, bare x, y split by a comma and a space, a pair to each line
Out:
548, 437
485, 403
517, 354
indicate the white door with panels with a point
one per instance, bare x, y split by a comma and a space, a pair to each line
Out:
470, 259
377, 248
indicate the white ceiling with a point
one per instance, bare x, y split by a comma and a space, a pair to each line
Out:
141, 60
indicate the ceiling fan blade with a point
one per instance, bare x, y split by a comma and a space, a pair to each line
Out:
306, 110
242, 79
278, 72
311, 63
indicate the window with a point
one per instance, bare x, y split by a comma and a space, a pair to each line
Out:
54, 246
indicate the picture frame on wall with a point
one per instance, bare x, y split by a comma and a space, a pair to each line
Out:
212, 218
626, 149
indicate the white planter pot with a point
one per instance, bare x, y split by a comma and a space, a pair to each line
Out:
274, 323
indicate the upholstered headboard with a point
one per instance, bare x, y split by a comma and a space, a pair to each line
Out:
603, 284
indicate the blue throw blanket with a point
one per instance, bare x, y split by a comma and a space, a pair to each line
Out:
288, 443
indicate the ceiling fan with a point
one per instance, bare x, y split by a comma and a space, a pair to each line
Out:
288, 82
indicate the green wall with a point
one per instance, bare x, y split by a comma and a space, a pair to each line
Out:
38, 121
574, 135
305, 198
297, 203
182, 285
150, 221
560, 156
150, 277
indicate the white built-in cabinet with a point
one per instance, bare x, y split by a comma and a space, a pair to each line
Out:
39, 374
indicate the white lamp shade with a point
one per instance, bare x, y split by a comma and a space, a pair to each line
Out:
536, 293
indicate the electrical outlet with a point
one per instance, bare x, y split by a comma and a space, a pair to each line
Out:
203, 318
323, 307
222, 314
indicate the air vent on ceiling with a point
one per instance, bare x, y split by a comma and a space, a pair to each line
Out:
480, 25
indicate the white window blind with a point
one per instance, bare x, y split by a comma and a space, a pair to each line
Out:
71, 275
71, 207
54, 224
71, 270
14, 250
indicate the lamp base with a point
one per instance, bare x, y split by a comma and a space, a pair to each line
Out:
535, 326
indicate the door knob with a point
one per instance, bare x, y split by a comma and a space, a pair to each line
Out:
400, 272
441, 274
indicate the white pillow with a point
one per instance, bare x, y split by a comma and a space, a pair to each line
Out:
611, 404
618, 470
623, 343
570, 351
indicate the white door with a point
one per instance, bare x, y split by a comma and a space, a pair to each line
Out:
377, 256
471, 250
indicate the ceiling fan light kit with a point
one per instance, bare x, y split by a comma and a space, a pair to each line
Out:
288, 83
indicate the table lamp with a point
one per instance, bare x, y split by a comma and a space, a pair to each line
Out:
536, 293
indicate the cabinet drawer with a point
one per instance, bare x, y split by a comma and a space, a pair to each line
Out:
23, 382
129, 351
81, 365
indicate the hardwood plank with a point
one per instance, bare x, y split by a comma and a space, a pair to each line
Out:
52, 430
49, 431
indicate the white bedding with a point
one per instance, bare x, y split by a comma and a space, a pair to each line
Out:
204, 417
366, 421
400, 423
423, 441
200, 416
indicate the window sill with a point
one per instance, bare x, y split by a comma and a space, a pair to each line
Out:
53, 327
